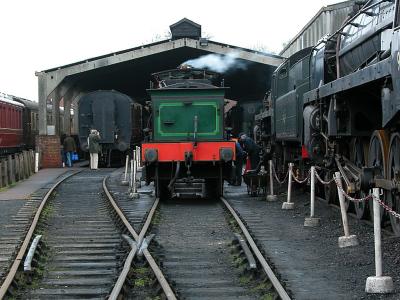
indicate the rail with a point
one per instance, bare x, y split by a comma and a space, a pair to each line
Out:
270, 273
21, 253
138, 239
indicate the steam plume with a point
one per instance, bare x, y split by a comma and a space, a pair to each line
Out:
217, 63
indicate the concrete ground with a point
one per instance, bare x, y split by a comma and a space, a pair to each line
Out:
23, 190
308, 260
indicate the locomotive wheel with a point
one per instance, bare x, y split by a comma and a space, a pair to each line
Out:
213, 189
331, 195
358, 155
378, 157
161, 189
393, 197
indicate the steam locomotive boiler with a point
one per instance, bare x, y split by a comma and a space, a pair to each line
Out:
188, 154
336, 105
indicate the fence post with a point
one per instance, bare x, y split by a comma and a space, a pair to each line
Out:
312, 221
378, 283
16, 161
288, 204
6, 177
125, 180
133, 194
32, 157
26, 164
1, 174
36, 162
11, 170
21, 166
271, 197
347, 240
138, 167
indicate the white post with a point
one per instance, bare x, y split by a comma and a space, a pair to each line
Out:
312, 221
138, 168
139, 157
36, 162
136, 156
134, 193
125, 181
131, 177
378, 283
347, 240
271, 197
312, 191
288, 204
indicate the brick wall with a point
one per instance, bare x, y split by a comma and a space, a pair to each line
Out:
49, 149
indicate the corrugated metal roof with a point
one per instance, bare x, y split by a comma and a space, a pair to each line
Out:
329, 8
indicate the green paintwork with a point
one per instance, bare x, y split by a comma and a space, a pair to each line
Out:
175, 111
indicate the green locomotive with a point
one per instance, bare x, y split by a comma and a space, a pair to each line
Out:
188, 153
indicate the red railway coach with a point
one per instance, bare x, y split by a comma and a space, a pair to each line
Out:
11, 133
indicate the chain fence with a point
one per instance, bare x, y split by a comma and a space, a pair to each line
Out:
339, 185
276, 175
301, 181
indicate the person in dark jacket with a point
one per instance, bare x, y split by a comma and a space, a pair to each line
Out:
252, 150
69, 148
94, 148
240, 156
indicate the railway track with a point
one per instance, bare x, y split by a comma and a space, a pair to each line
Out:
197, 262
87, 256
195, 243
84, 250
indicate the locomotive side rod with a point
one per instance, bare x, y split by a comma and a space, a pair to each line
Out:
363, 179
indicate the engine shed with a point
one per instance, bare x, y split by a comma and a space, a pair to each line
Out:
128, 71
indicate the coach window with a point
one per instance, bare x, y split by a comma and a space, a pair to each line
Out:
397, 15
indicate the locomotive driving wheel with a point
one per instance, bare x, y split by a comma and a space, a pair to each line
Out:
358, 156
377, 158
393, 197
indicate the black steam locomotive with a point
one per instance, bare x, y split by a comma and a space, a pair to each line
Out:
337, 105
118, 119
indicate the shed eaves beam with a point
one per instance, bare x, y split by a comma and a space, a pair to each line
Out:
50, 80
54, 77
